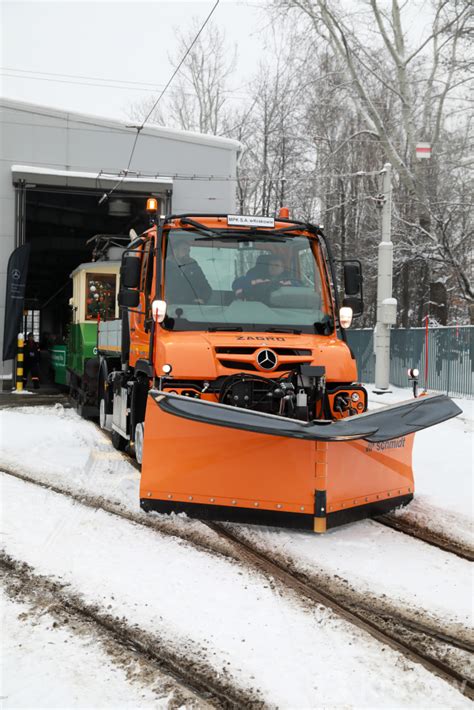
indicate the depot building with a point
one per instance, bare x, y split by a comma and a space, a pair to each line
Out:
64, 179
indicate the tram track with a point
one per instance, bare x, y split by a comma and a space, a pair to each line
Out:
418, 532
199, 682
391, 633
410, 638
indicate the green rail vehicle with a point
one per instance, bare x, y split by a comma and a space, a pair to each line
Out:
95, 287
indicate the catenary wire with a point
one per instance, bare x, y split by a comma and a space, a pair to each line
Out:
155, 104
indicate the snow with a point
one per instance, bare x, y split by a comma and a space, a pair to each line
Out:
58, 446
443, 458
221, 613
211, 609
374, 560
39, 668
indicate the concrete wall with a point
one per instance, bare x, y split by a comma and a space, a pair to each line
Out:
48, 138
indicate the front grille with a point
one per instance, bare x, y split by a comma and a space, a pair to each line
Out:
231, 350
235, 351
250, 367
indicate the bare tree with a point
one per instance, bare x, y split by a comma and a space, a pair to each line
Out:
199, 97
404, 94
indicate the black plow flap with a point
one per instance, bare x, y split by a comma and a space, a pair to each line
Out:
388, 423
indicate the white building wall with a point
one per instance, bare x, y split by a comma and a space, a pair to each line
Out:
49, 138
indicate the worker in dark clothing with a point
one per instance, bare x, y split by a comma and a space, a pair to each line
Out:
266, 276
185, 280
31, 361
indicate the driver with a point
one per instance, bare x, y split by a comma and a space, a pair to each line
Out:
185, 280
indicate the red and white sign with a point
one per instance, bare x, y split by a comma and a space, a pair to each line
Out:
423, 151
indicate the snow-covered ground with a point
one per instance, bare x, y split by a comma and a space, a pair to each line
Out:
230, 619
443, 463
46, 665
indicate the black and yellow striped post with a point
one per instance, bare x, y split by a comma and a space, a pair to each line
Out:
321, 480
19, 362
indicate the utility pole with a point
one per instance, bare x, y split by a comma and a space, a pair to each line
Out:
386, 304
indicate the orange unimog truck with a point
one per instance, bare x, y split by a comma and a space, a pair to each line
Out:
230, 377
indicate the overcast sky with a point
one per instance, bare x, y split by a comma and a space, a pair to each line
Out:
108, 39
55, 53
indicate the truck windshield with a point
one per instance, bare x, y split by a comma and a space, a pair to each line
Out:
238, 281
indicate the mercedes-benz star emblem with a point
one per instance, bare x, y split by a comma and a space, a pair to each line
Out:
16, 273
267, 359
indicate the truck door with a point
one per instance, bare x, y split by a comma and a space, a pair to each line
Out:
140, 318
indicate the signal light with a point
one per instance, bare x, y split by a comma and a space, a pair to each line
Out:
413, 373
152, 204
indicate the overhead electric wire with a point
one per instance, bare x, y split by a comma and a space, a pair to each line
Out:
80, 76
142, 125
76, 83
105, 83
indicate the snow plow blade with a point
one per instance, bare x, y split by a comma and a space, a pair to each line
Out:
214, 461
390, 423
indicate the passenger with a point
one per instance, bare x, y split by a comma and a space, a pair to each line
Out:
258, 274
184, 278
279, 275
266, 276
31, 361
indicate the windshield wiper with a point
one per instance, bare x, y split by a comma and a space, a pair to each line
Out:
296, 331
230, 328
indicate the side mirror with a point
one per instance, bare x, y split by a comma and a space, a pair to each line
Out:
352, 278
353, 297
128, 298
130, 270
355, 303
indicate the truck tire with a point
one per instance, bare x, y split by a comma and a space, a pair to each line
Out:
105, 417
139, 436
105, 405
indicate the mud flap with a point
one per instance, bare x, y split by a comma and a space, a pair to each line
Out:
382, 425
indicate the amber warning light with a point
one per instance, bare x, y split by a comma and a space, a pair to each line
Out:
152, 204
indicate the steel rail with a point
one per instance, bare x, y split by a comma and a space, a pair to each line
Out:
309, 590
289, 580
430, 537
202, 682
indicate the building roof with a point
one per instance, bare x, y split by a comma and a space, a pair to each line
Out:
121, 126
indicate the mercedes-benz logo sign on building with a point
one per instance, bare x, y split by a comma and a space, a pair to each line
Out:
267, 359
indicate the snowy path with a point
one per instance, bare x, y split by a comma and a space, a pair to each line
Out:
443, 462
84, 461
56, 446
53, 665
210, 609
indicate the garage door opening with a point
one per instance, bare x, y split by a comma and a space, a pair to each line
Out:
58, 222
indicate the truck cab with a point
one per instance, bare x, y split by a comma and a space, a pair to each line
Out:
236, 310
